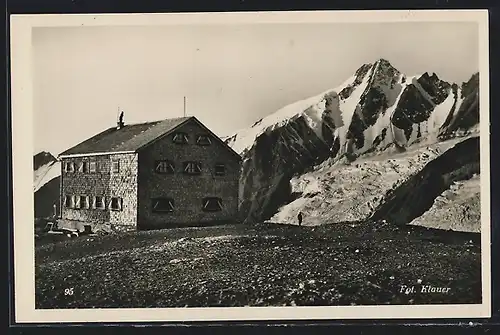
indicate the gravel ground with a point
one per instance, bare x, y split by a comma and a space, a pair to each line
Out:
259, 265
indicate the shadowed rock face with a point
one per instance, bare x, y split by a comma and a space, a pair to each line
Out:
293, 147
360, 75
46, 197
417, 194
272, 161
467, 114
41, 159
48, 194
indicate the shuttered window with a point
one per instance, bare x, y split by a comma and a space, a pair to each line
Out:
180, 138
116, 204
212, 204
192, 168
82, 202
163, 205
220, 169
69, 167
98, 203
164, 167
69, 201
203, 140
116, 166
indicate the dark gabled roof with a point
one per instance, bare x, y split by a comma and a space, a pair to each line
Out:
133, 137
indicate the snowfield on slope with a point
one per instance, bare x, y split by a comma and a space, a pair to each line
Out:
336, 191
45, 173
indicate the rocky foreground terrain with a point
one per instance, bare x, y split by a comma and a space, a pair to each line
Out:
259, 265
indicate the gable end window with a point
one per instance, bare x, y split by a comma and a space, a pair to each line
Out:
212, 204
163, 205
180, 138
220, 169
69, 167
116, 204
192, 168
203, 140
164, 167
116, 166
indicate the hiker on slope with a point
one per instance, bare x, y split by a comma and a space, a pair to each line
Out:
299, 217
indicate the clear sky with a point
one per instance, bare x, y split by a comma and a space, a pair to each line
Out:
232, 75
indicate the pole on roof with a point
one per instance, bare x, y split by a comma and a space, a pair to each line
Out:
184, 106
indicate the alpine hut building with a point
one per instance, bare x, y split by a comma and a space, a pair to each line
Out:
168, 173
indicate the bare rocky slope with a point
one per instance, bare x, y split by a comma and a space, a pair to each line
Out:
341, 190
449, 185
378, 111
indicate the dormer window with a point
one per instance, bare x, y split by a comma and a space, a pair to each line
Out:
69, 167
180, 138
163, 205
192, 168
164, 167
203, 140
212, 204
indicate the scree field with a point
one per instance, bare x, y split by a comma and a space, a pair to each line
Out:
258, 265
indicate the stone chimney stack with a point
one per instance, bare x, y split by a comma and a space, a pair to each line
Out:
120, 123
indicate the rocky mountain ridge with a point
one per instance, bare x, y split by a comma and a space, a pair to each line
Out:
377, 110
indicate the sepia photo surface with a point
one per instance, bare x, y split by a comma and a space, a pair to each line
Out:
250, 166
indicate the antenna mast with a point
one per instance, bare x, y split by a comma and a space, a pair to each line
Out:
184, 106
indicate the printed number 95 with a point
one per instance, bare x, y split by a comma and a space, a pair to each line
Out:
68, 291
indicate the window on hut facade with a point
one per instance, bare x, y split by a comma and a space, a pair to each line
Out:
83, 167
98, 203
164, 167
69, 201
163, 205
116, 204
180, 138
116, 166
192, 168
93, 167
220, 169
212, 204
69, 167
82, 202
203, 140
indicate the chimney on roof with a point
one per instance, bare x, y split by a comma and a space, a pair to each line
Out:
120, 123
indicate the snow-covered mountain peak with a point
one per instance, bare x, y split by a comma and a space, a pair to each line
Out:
375, 111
